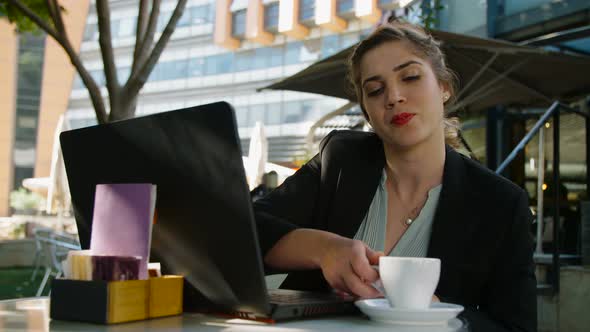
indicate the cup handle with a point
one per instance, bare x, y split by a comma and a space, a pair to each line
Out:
378, 285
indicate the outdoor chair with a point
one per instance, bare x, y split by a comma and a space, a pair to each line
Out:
55, 249
39, 232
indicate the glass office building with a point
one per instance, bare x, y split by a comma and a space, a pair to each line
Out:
199, 67
226, 50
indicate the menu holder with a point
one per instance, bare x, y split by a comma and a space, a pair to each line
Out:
116, 301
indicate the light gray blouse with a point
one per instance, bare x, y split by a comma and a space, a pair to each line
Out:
414, 242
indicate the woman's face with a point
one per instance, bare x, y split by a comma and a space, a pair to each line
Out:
402, 96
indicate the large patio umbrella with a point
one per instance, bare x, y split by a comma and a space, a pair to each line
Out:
491, 72
58, 191
257, 156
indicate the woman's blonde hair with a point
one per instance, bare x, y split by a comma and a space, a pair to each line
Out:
427, 47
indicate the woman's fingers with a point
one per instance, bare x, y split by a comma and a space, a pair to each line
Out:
359, 288
373, 256
346, 265
362, 268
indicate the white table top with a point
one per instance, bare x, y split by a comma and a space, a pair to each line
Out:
33, 314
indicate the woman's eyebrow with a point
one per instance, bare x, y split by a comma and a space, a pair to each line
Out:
405, 64
396, 68
372, 78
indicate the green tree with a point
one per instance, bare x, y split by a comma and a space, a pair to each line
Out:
47, 15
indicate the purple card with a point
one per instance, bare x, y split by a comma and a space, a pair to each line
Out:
122, 221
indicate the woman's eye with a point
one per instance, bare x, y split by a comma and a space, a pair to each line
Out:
411, 78
374, 92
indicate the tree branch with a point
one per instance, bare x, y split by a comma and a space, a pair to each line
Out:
140, 28
148, 38
55, 13
91, 85
138, 79
106, 49
36, 19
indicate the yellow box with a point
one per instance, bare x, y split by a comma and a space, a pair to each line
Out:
165, 296
116, 301
128, 300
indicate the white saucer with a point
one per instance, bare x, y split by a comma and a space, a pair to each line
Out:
439, 313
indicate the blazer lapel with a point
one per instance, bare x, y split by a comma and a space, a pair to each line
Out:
356, 184
450, 219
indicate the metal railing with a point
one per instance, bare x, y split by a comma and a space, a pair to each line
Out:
553, 110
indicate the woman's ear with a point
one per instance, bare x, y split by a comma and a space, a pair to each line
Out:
445, 92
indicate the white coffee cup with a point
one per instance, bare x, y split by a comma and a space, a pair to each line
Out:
409, 282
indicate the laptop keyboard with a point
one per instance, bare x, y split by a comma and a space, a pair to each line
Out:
285, 296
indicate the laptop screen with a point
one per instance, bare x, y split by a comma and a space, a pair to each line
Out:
205, 229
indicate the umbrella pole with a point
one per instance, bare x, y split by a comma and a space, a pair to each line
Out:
540, 178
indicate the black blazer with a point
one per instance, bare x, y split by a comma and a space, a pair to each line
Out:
480, 230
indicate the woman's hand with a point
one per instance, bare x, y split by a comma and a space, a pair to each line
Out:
346, 265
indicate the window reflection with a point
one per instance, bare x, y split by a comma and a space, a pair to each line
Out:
219, 64
238, 26
243, 60
271, 17
345, 6
120, 28
253, 59
306, 10
185, 19
330, 45
163, 20
256, 113
196, 67
201, 14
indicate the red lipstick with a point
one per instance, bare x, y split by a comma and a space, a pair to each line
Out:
402, 119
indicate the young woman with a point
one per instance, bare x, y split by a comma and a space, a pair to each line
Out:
404, 191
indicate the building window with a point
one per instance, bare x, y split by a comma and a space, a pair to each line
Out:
256, 113
292, 112
348, 40
200, 15
330, 45
241, 116
219, 64
385, 3
276, 56
91, 32
261, 58
274, 113
243, 60
127, 27
185, 19
238, 26
98, 76
345, 6
306, 10
170, 70
271, 17
123, 74
31, 49
196, 67
393, 4
293, 53
78, 84
115, 28
163, 19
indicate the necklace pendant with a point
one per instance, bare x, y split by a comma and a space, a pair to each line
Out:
409, 221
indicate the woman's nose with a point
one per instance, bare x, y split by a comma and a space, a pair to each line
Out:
394, 96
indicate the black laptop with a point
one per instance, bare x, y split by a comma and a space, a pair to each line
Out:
205, 227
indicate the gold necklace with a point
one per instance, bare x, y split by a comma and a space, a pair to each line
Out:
411, 215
